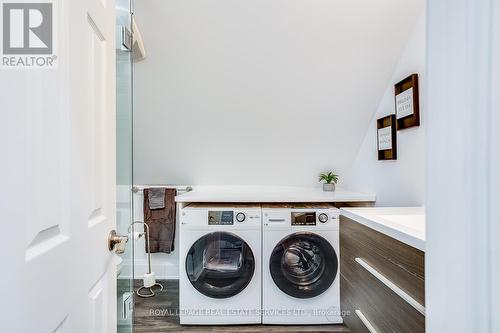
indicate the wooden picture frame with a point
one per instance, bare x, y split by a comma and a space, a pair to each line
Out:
406, 101
386, 138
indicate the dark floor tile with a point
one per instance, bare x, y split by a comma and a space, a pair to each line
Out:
160, 314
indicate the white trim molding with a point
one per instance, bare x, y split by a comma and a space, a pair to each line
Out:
462, 164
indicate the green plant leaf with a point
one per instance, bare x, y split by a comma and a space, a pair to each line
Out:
328, 177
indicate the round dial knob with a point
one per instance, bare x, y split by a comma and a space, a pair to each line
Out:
323, 218
240, 217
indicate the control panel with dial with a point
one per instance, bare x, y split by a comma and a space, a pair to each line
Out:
240, 217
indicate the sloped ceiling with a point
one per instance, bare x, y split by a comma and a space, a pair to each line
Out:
266, 92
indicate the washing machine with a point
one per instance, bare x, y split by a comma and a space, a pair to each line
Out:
300, 264
220, 264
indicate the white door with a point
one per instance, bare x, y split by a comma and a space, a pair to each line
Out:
58, 179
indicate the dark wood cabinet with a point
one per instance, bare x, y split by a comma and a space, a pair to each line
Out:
382, 281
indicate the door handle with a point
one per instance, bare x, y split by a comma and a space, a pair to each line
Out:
116, 243
391, 285
365, 321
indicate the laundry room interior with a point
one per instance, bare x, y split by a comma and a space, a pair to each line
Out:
259, 166
271, 165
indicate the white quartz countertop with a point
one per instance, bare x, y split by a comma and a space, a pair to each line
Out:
270, 194
406, 224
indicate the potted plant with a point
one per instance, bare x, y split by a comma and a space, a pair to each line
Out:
330, 179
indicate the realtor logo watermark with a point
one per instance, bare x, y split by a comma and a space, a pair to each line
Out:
28, 34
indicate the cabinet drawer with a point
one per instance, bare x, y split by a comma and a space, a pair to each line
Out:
398, 262
350, 318
381, 307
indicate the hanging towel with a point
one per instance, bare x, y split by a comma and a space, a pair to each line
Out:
156, 198
161, 222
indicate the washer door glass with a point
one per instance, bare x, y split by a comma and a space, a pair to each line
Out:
220, 265
303, 265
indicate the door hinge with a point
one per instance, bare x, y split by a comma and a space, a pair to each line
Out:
126, 38
128, 304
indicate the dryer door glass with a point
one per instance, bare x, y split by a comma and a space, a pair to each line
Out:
220, 265
303, 265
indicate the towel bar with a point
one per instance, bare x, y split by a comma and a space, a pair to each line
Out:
137, 189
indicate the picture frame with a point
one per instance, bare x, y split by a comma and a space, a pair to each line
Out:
386, 138
407, 102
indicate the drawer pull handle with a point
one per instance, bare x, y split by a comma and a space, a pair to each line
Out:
400, 292
365, 321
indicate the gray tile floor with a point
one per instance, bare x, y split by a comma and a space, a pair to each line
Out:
159, 314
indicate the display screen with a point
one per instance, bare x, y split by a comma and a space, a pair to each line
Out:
303, 218
220, 217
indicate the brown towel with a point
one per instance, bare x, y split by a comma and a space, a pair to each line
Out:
161, 223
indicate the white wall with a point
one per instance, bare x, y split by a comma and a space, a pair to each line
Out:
260, 92
400, 182
462, 266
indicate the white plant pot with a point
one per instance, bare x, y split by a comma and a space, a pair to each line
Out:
329, 187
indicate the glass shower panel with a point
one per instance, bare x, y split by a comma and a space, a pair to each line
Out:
124, 166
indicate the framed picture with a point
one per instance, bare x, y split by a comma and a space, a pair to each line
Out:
406, 97
386, 138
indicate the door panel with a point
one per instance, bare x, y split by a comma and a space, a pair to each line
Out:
58, 153
97, 304
96, 78
95, 93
